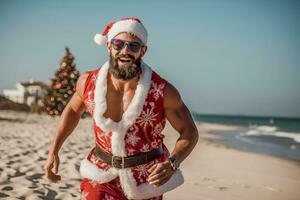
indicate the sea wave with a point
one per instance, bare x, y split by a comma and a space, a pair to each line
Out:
271, 131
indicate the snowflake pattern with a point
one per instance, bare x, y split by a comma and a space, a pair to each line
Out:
157, 130
157, 90
133, 129
150, 123
90, 104
142, 171
147, 116
154, 144
145, 148
132, 139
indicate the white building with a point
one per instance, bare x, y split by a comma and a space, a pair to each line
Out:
26, 92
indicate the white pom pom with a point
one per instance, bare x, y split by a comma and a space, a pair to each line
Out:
100, 39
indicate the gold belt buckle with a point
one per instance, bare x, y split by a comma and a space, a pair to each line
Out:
113, 163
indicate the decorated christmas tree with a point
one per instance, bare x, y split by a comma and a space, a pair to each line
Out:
62, 87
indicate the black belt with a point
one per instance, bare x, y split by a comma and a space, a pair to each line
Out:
129, 161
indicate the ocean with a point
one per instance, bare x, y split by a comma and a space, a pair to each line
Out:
275, 136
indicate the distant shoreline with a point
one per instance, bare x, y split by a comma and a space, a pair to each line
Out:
219, 133
245, 116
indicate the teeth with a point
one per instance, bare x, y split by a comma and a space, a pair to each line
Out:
124, 60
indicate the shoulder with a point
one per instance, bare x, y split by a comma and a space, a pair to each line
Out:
158, 81
157, 77
82, 80
172, 98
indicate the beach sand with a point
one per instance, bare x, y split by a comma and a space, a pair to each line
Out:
212, 171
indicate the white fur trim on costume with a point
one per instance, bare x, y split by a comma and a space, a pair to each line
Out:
128, 26
91, 171
119, 130
146, 190
100, 39
132, 112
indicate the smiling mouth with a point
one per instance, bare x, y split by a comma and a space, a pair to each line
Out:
125, 60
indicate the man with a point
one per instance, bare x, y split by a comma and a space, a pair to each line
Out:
129, 103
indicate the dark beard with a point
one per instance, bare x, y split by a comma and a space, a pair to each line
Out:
125, 73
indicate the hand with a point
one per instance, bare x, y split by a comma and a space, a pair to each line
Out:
52, 163
160, 173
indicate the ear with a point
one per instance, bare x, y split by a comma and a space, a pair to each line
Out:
107, 44
144, 50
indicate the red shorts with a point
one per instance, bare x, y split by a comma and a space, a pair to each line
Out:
112, 190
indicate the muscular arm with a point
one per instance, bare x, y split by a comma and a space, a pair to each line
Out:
70, 116
67, 123
180, 118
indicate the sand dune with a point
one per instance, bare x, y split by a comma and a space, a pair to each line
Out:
212, 172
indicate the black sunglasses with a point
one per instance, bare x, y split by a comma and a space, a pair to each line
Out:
120, 44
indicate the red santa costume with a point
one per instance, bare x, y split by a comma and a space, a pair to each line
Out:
140, 130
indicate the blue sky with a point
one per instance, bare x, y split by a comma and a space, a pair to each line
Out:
224, 57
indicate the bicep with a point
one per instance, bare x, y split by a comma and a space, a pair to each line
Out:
76, 103
176, 111
180, 118
80, 85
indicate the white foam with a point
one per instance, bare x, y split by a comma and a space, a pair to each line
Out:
264, 128
272, 131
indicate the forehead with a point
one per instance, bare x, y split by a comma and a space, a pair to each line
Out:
127, 37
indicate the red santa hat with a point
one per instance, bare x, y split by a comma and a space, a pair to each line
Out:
128, 25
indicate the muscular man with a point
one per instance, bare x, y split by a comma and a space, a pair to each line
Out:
129, 103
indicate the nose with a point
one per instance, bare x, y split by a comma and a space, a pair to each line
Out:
125, 49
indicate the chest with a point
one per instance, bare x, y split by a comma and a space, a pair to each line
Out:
117, 104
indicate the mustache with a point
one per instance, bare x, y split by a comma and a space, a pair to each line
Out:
124, 56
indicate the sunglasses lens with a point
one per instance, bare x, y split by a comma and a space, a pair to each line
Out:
118, 44
134, 46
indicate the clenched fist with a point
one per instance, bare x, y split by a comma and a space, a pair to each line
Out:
160, 173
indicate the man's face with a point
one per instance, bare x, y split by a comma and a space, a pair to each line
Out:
125, 63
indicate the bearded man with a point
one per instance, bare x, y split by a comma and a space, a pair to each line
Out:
130, 104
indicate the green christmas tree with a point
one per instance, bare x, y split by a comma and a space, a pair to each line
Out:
63, 85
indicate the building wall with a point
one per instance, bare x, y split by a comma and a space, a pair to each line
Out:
23, 95
15, 95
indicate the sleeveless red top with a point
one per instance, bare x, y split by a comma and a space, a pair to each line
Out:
140, 130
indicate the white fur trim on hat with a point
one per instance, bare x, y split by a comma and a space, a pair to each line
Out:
128, 26
100, 39
123, 26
